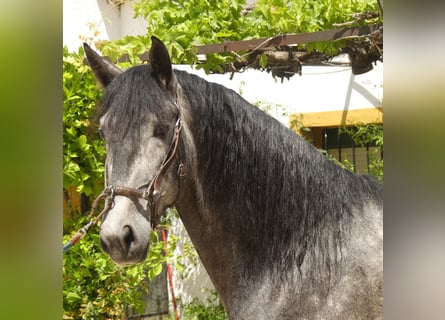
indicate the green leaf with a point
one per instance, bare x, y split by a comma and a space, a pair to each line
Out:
154, 271
73, 297
179, 267
263, 60
83, 143
224, 34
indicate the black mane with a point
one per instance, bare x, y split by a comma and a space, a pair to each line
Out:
262, 176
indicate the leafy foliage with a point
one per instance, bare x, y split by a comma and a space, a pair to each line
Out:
94, 287
211, 309
83, 154
185, 24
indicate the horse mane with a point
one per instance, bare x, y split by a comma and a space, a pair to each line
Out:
268, 184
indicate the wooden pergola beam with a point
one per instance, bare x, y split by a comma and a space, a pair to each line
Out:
289, 39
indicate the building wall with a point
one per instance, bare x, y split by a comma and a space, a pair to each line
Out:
89, 19
319, 89
129, 25
100, 20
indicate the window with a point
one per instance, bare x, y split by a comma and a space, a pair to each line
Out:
341, 145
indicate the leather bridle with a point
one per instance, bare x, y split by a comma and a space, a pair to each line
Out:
151, 194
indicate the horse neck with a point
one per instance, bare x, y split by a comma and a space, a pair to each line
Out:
214, 228
247, 200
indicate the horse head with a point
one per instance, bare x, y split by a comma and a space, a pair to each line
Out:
139, 119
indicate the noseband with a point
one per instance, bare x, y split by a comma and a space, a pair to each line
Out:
152, 194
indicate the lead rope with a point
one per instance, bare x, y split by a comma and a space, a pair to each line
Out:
108, 194
170, 277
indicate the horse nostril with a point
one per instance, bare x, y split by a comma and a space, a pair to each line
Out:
118, 241
128, 236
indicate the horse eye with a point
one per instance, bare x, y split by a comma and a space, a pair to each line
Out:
160, 131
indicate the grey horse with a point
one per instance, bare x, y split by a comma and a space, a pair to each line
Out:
283, 232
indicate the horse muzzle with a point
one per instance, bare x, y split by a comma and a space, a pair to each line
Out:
125, 233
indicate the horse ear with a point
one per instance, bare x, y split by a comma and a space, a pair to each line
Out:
104, 70
160, 61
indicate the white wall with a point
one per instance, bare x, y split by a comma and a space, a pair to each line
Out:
129, 25
111, 22
318, 89
194, 282
81, 18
